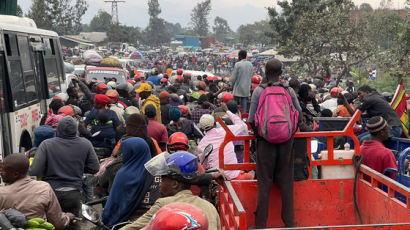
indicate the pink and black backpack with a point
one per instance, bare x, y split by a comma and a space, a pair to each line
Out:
276, 118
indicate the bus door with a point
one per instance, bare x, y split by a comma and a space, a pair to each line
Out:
37, 49
5, 138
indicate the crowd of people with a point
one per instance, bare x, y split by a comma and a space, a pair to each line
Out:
104, 139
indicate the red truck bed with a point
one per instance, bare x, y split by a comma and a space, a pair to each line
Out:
319, 204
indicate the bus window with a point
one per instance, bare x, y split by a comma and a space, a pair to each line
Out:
52, 76
11, 44
47, 46
24, 54
53, 52
16, 83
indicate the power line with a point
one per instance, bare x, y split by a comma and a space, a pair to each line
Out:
114, 10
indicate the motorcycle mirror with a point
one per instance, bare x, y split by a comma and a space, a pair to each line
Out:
90, 213
208, 150
96, 133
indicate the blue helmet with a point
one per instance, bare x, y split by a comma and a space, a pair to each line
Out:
182, 164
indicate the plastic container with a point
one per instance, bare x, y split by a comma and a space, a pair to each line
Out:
338, 171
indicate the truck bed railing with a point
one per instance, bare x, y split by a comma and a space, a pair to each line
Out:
376, 180
247, 165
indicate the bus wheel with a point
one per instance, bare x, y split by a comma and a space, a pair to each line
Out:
25, 142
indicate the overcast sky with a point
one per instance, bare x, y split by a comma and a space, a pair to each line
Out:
237, 12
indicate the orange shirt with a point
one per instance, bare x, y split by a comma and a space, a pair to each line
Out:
118, 145
342, 111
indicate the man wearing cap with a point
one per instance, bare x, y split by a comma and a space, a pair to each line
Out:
241, 80
100, 103
375, 154
215, 137
145, 93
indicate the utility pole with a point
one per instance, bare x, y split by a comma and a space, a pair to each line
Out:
114, 10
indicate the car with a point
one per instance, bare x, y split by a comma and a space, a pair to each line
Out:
102, 73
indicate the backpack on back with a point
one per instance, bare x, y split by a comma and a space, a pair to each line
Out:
276, 118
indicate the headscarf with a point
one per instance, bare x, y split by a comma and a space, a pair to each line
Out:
175, 113
131, 182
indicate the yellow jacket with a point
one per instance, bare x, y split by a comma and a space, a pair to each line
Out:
154, 101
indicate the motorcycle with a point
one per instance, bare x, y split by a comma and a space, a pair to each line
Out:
91, 214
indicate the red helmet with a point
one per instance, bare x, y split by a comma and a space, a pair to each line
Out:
102, 88
180, 79
178, 142
177, 216
137, 77
187, 75
164, 80
210, 78
66, 110
179, 72
227, 97
335, 91
183, 109
256, 79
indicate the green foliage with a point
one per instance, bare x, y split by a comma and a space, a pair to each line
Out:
156, 33
221, 29
62, 16
153, 8
100, 22
358, 78
122, 33
19, 11
255, 33
327, 36
365, 7
284, 23
199, 18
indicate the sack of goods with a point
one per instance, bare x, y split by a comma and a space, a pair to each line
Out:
110, 62
91, 56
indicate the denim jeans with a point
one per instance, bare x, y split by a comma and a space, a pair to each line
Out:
242, 101
395, 131
70, 201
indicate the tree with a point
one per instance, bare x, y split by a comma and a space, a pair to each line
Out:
199, 18
62, 16
122, 33
40, 13
101, 22
254, 33
221, 29
284, 24
156, 32
153, 8
329, 37
365, 7
19, 11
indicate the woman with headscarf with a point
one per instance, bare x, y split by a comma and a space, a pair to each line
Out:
130, 184
136, 126
184, 125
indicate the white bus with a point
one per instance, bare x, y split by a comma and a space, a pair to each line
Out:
31, 73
